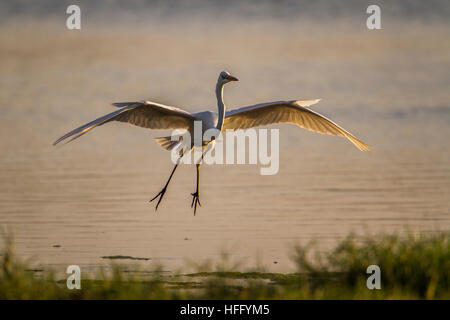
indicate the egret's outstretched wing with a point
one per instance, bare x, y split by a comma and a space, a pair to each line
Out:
294, 112
144, 114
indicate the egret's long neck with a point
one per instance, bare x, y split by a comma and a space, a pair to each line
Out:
220, 105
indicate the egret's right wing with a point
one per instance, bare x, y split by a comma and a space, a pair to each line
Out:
144, 114
295, 112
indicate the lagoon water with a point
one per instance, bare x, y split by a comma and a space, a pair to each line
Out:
76, 203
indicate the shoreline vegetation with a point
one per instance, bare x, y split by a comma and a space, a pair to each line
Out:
412, 267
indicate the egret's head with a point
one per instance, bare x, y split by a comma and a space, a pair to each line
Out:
225, 77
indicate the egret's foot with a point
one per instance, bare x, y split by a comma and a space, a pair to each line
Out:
160, 195
195, 201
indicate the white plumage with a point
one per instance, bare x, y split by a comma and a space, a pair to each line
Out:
153, 115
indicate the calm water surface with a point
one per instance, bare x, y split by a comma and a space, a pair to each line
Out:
90, 198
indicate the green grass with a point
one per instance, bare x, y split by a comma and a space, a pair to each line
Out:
412, 267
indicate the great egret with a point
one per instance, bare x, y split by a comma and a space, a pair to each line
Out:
153, 115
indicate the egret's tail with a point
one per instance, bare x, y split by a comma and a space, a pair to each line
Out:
169, 143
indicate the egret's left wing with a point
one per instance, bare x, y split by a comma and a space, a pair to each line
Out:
145, 114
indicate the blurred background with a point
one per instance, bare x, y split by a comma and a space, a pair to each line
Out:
75, 204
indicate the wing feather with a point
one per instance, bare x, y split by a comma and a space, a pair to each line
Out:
144, 114
294, 112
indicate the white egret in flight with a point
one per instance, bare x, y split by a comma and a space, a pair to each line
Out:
153, 115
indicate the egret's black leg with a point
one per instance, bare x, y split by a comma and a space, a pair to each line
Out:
163, 191
195, 195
